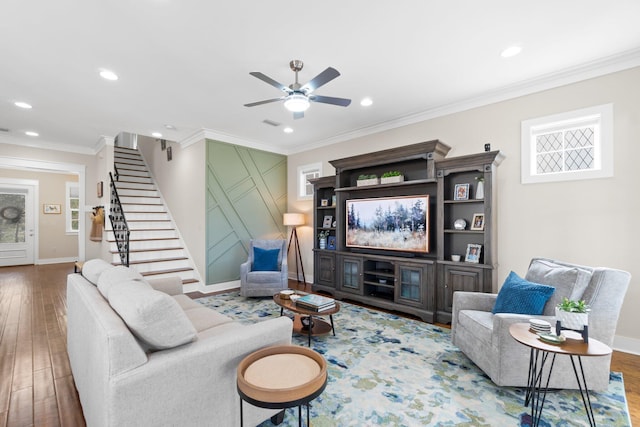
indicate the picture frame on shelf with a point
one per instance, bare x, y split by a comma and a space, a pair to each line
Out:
333, 200
477, 224
331, 243
324, 202
328, 220
461, 192
100, 189
473, 253
51, 208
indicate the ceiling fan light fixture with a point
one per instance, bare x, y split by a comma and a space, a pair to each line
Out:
296, 103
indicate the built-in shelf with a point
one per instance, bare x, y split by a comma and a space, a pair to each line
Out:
394, 184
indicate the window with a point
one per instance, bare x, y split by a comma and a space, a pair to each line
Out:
568, 146
72, 211
306, 172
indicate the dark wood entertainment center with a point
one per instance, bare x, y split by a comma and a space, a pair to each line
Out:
418, 283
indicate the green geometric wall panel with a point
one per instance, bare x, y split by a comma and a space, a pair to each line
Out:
246, 197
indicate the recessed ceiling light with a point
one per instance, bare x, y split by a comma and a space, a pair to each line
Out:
366, 102
31, 133
108, 75
287, 130
170, 127
23, 105
156, 134
511, 51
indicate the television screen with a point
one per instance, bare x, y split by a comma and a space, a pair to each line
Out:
389, 223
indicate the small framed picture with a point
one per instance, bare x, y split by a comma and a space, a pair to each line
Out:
461, 192
49, 208
478, 222
331, 243
169, 154
333, 200
328, 219
100, 188
473, 253
324, 202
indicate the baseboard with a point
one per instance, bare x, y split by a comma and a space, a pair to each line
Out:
216, 287
56, 260
308, 279
626, 344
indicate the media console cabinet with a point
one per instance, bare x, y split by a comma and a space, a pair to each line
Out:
416, 282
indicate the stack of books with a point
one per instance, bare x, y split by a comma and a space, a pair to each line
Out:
315, 302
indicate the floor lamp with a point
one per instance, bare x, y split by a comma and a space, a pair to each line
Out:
293, 220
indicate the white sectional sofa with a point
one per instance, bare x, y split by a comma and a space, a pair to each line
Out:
144, 354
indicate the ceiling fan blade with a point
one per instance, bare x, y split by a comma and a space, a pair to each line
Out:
321, 79
270, 81
299, 115
342, 102
266, 101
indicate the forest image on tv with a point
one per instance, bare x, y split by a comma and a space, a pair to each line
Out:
392, 223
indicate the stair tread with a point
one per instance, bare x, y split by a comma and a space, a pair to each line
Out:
151, 249
171, 270
144, 240
149, 261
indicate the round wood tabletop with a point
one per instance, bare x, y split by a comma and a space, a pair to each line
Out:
290, 305
571, 346
282, 376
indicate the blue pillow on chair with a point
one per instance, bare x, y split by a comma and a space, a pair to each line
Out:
522, 297
265, 259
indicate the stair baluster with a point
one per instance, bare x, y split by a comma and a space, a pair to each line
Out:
119, 224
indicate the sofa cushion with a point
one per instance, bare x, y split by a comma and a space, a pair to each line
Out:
154, 317
203, 318
521, 296
569, 282
116, 275
92, 269
265, 259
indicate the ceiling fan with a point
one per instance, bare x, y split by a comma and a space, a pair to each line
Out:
298, 97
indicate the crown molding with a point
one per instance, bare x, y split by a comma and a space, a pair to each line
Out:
603, 66
46, 145
203, 134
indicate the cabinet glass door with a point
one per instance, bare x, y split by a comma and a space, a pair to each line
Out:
410, 283
351, 274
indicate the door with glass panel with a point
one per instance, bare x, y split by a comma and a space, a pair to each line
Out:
16, 224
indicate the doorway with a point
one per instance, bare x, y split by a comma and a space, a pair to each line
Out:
17, 222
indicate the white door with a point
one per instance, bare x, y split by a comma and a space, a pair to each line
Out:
17, 224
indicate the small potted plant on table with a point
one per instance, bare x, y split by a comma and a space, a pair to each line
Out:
573, 315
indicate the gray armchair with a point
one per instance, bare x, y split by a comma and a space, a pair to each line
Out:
264, 282
484, 337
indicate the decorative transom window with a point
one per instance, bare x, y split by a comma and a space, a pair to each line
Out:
305, 173
73, 207
568, 146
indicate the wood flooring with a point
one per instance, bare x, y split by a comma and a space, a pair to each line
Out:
36, 385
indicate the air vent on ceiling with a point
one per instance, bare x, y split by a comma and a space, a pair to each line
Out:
271, 122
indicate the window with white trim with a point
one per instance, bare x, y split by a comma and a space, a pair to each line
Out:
72, 211
568, 146
306, 172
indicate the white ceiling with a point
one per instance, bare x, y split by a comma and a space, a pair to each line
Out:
187, 63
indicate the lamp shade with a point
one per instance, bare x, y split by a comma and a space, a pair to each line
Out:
293, 219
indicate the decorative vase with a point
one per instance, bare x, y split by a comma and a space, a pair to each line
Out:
480, 190
570, 320
323, 243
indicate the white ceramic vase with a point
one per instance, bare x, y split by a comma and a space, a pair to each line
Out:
323, 243
480, 190
575, 321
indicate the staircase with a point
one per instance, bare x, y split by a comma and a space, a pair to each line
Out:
155, 248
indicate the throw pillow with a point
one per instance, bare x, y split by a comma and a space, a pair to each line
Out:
569, 281
113, 276
265, 259
154, 317
92, 269
520, 296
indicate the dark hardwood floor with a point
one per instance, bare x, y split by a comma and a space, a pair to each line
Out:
36, 385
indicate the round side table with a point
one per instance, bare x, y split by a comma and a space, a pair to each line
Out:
281, 377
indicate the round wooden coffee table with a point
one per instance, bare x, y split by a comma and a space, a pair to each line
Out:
540, 350
281, 377
306, 321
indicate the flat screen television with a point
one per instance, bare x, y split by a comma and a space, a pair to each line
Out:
389, 223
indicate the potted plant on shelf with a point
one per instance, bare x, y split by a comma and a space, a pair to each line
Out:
572, 314
322, 236
391, 177
364, 179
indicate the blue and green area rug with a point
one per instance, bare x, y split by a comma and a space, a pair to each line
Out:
386, 370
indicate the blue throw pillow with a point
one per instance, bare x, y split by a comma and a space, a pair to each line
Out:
265, 259
522, 297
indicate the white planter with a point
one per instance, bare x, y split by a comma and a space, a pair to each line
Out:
576, 321
480, 190
392, 179
365, 182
